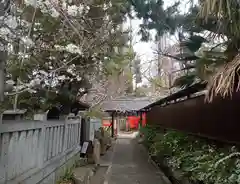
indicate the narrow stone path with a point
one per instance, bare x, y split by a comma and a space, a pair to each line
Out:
130, 164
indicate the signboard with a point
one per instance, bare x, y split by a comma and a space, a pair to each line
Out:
84, 147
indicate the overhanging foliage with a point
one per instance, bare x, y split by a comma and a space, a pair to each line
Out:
207, 25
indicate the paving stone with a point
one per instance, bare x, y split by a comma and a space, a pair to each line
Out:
130, 164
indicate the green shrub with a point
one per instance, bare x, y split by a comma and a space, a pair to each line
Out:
67, 177
149, 134
196, 158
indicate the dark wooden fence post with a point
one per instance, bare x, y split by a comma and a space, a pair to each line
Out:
112, 124
140, 120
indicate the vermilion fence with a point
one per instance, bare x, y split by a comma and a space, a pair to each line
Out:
133, 121
106, 122
217, 120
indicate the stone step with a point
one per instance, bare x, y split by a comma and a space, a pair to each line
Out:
83, 174
99, 175
89, 174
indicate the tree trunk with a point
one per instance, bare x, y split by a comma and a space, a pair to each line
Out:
3, 57
4, 8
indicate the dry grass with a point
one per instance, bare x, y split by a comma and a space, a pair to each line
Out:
218, 7
224, 11
226, 79
223, 83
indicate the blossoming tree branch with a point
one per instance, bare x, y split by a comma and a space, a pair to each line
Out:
53, 48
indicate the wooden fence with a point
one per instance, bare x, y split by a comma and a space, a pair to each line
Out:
217, 120
31, 150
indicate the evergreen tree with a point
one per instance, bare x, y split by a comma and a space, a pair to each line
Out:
208, 39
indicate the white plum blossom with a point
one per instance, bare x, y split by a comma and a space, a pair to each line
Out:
22, 55
43, 72
27, 41
4, 32
79, 78
11, 21
20, 87
55, 14
75, 10
72, 48
51, 7
30, 2
69, 70
31, 90
10, 82
35, 82
45, 6
59, 47
51, 58
61, 77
